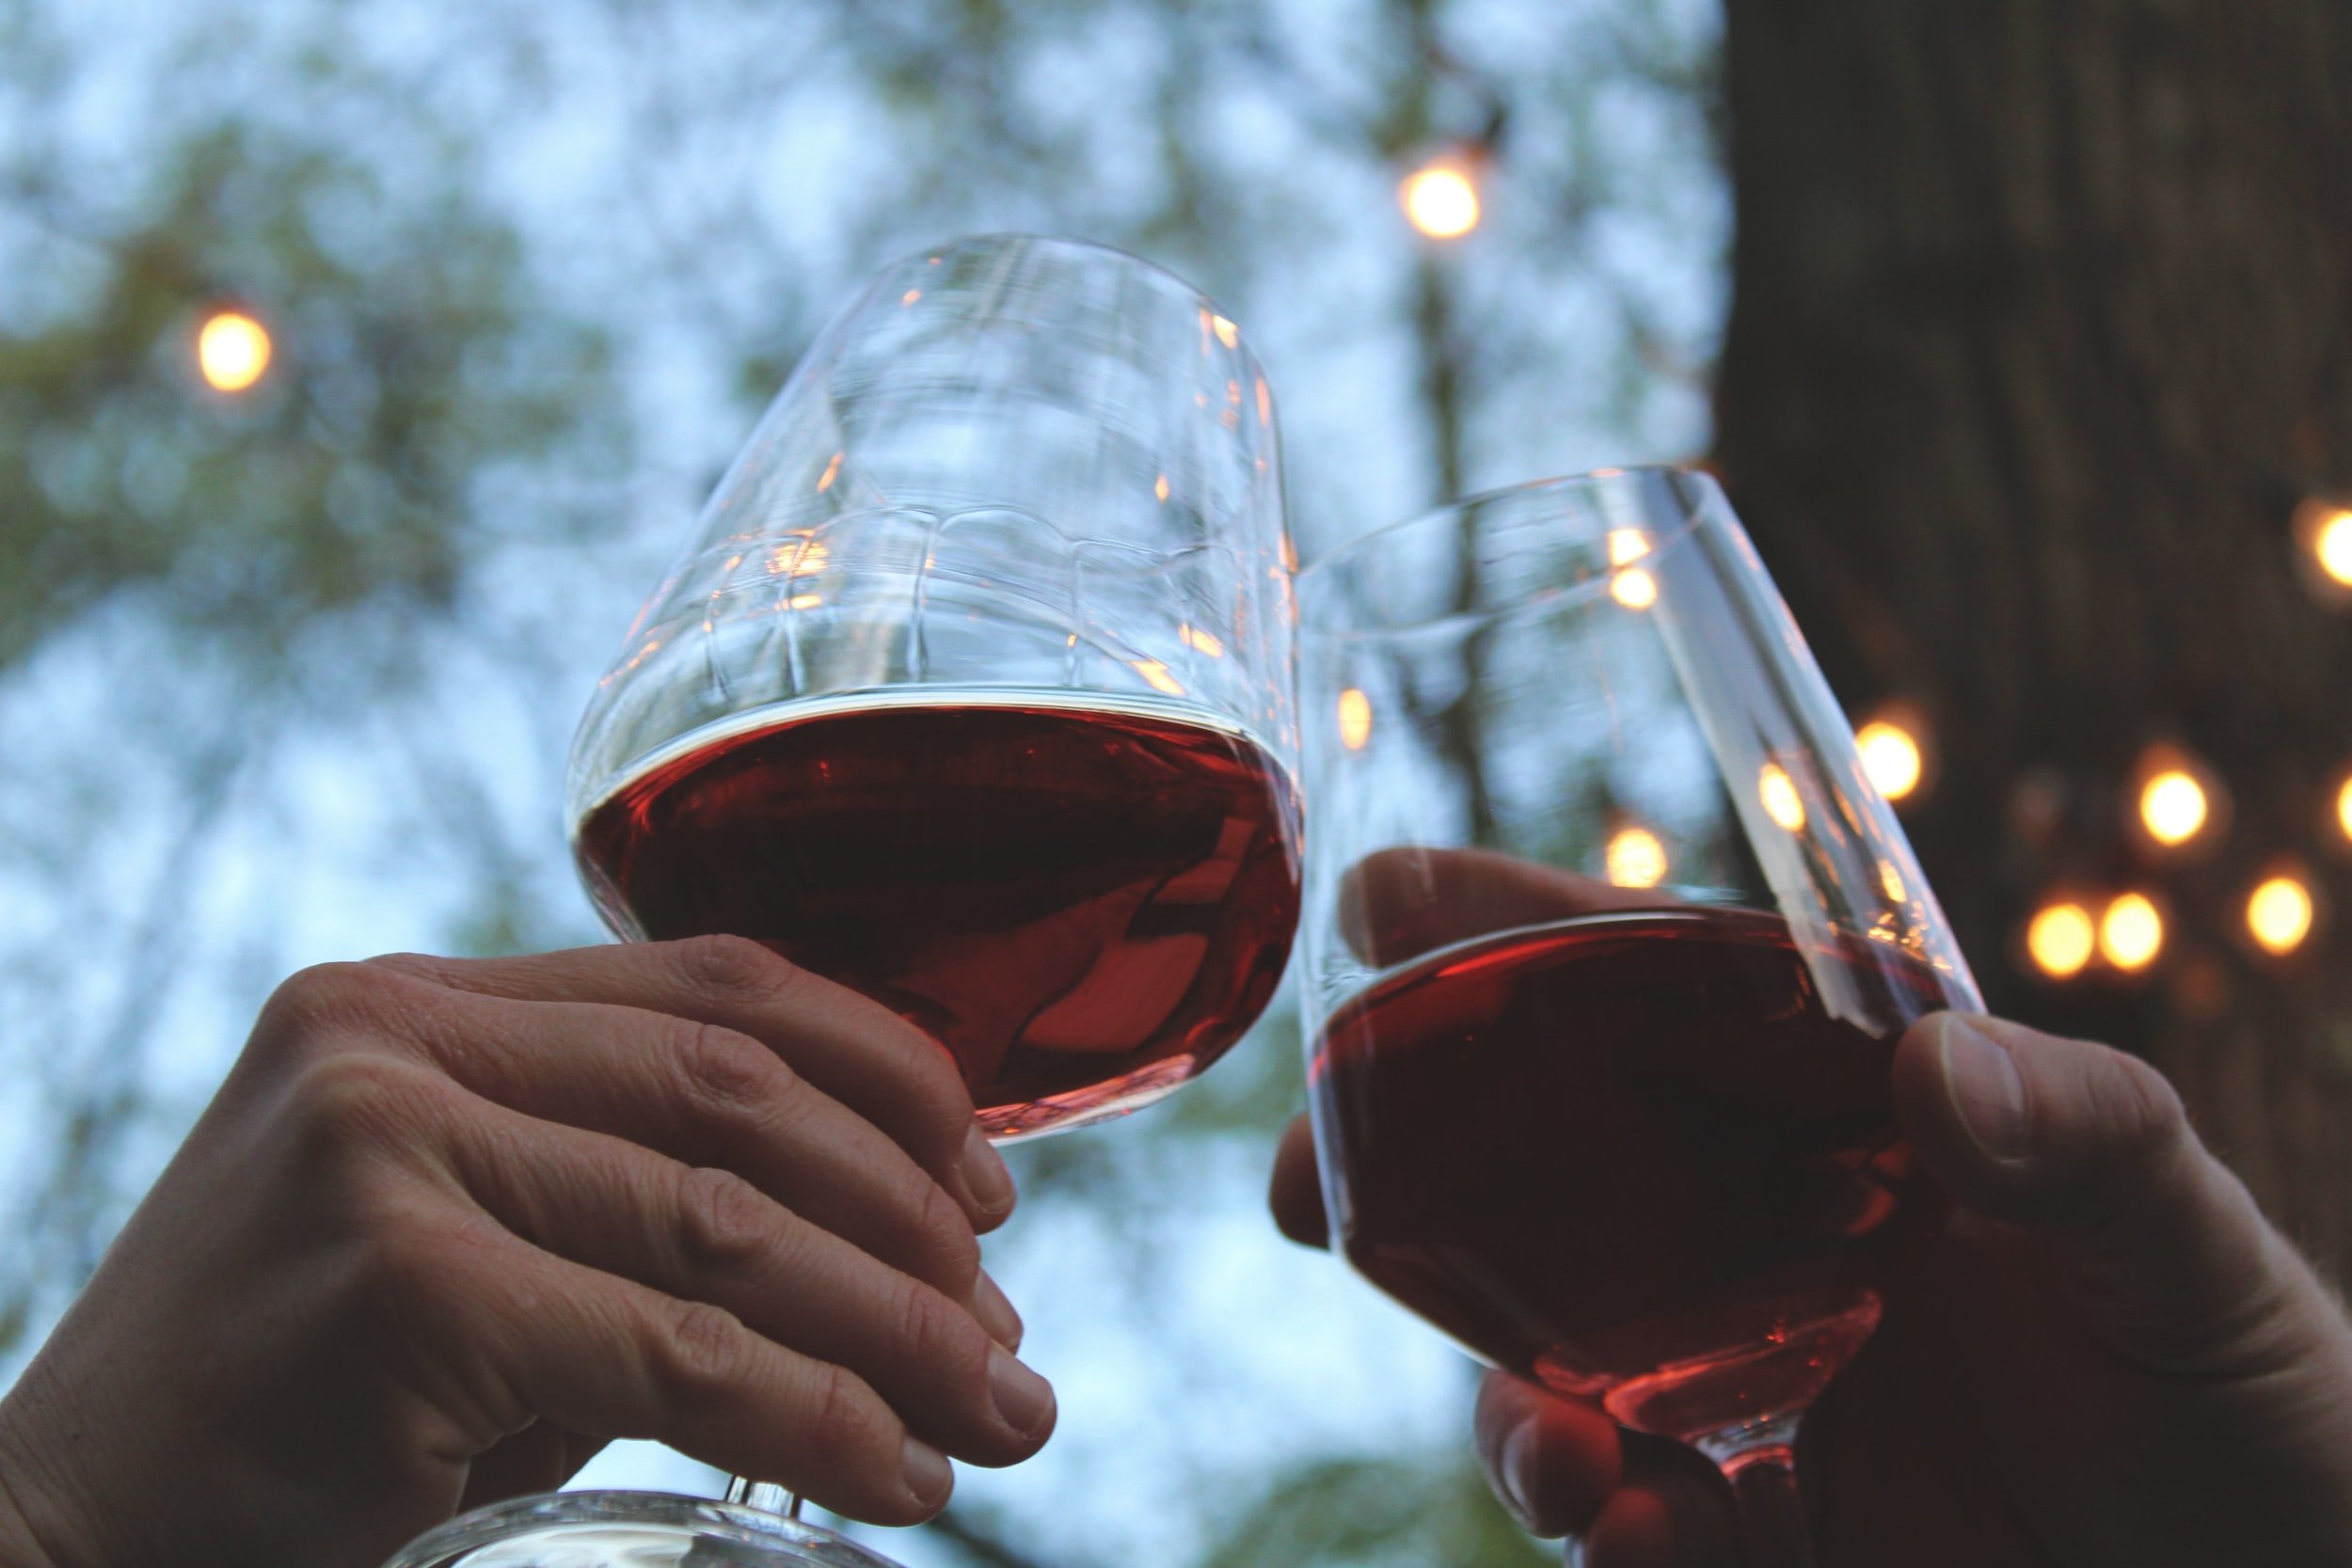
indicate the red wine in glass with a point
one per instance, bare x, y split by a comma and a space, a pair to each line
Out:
1630, 1155
1085, 905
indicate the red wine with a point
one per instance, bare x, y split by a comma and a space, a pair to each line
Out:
1084, 906
1629, 1155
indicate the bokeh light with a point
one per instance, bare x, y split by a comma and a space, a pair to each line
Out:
2131, 932
1440, 200
1890, 757
2279, 912
2331, 546
2173, 806
1779, 794
2060, 939
233, 351
1634, 588
1636, 859
1355, 720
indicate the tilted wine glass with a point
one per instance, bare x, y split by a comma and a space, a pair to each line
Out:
1608, 939
972, 691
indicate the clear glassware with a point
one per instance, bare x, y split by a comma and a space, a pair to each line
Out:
1607, 938
630, 1530
972, 690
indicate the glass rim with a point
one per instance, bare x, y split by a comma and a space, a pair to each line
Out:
1309, 578
998, 239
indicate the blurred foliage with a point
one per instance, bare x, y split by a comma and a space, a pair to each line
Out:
283, 666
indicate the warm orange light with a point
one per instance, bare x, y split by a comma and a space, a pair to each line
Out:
1634, 588
1626, 545
233, 351
2131, 932
1636, 859
2173, 806
2344, 808
2059, 940
1155, 676
2331, 546
1779, 794
1200, 642
1441, 201
2279, 914
1227, 333
1355, 720
1159, 488
1890, 757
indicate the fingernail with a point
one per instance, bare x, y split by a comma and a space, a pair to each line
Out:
1023, 1400
926, 1472
1987, 1094
994, 1310
985, 1174
1515, 1467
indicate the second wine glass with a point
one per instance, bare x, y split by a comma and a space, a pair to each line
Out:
1608, 939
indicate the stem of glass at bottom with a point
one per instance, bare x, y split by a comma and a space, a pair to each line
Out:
1760, 1462
766, 1496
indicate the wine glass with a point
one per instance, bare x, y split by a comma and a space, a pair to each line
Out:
1608, 939
972, 691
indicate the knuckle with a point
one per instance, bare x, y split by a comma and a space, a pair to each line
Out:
727, 1072
950, 1253
357, 1100
728, 1225
733, 967
844, 1413
328, 999
698, 1348
931, 1330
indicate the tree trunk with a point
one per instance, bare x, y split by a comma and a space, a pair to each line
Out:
2042, 328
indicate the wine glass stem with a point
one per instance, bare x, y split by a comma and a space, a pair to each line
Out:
766, 1496
1760, 1462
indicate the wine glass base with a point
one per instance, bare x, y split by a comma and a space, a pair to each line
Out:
630, 1530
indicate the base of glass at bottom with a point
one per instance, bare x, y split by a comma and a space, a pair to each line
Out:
630, 1530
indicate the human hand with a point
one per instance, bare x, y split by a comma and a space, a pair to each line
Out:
448, 1225
2109, 1357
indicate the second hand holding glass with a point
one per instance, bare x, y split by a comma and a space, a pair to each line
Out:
1609, 938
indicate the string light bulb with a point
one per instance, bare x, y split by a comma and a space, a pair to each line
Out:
2280, 913
2178, 803
2323, 539
2060, 939
2331, 546
1635, 858
2172, 807
1892, 757
233, 351
2344, 807
2131, 932
1440, 199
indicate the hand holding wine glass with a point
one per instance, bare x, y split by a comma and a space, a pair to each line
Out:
2109, 1358
449, 1224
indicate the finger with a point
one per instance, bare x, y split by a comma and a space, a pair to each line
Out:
1399, 903
596, 1354
855, 1050
1295, 1193
1553, 1462
705, 1095
704, 1234
2162, 1249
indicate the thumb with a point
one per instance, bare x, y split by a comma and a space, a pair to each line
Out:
2157, 1246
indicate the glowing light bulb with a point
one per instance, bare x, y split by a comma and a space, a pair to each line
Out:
1778, 792
2344, 808
1890, 757
1636, 859
2131, 932
2279, 914
2331, 546
233, 351
1355, 720
1441, 201
2173, 807
1626, 545
1634, 588
2059, 940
